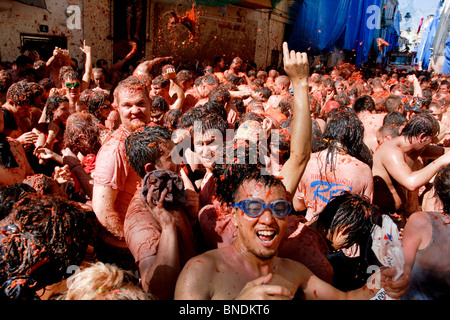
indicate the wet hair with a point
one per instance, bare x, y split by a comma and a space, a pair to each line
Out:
161, 80
238, 103
44, 185
219, 95
217, 108
344, 127
189, 117
261, 74
392, 103
20, 94
442, 186
211, 79
41, 237
70, 74
394, 117
184, 75
286, 105
343, 99
131, 83
233, 79
389, 129
99, 70
245, 165
103, 281
96, 102
364, 103
144, 146
10, 195
250, 116
266, 93
47, 84
82, 134
37, 90
353, 214
53, 102
172, 119
159, 103
63, 70
258, 83
213, 121
421, 123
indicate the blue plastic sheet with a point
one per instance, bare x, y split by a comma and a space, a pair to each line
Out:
321, 24
446, 66
427, 48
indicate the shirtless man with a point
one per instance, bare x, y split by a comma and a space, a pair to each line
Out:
99, 78
398, 169
437, 111
162, 85
235, 67
281, 88
365, 108
114, 179
250, 269
198, 94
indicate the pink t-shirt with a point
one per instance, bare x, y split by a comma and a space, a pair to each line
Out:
113, 170
318, 186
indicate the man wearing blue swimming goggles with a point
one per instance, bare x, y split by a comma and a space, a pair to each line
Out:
254, 207
250, 268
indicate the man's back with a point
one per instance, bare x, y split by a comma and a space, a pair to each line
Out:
319, 183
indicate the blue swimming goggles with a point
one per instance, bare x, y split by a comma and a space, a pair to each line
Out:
254, 207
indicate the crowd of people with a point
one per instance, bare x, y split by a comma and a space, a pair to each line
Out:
151, 181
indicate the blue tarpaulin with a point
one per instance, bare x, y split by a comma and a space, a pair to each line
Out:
446, 66
321, 24
428, 41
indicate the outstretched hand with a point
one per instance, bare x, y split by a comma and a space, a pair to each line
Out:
296, 65
86, 49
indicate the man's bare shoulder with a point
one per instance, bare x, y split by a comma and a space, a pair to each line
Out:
388, 149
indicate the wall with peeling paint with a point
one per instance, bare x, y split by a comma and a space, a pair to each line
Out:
228, 31
26, 19
220, 31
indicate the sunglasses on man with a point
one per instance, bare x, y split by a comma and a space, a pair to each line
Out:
72, 85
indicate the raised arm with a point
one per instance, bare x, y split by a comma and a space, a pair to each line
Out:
87, 66
297, 68
146, 66
119, 64
169, 73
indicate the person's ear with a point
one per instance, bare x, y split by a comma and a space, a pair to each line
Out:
422, 137
149, 167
